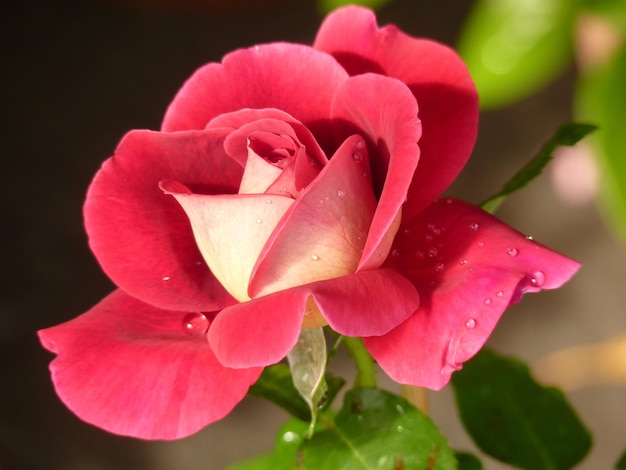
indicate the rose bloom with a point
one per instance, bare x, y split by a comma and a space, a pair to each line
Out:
290, 187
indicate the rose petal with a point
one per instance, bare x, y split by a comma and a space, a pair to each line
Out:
361, 304
238, 149
323, 233
130, 369
437, 77
230, 231
294, 78
388, 121
141, 236
468, 267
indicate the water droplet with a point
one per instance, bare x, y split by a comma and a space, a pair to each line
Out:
268, 201
407, 231
166, 278
357, 157
537, 279
364, 174
196, 323
463, 261
395, 253
340, 193
259, 221
399, 409
471, 323
314, 257
430, 227
513, 252
499, 293
481, 244
437, 231
432, 252
488, 301
439, 267
360, 144
449, 200
399, 429
529, 237
474, 227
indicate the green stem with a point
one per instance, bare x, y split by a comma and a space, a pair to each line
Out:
365, 370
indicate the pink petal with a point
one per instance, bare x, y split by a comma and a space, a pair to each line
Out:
141, 236
361, 304
437, 77
384, 112
468, 268
323, 233
238, 119
230, 231
130, 369
296, 79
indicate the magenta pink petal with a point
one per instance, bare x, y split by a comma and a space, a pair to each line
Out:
294, 78
390, 125
468, 268
142, 237
437, 77
131, 369
322, 234
238, 119
361, 304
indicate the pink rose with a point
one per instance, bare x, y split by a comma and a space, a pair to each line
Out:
290, 186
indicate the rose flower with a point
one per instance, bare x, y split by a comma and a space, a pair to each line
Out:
290, 187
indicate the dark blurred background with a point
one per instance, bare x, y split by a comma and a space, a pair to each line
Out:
77, 75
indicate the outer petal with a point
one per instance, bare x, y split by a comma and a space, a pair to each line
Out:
129, 368
323, 234
437, 77
361, 304
383, 111
296, 79
468, 267
141, 236
230, 230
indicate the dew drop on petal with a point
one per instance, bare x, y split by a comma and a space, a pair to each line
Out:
537, 279
360, 144
499, 293
439, 267
314, 257
474, 227
268, 201
341, 193
357, 157
529, 237
512, 252
432, 252
195, 323
259, 221
471, 323
463, 261
488, 301
166, 278
395, 253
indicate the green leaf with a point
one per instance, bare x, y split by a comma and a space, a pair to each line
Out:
514, 47
567, 134
376, 430
307, 361
621, 463
283, 457
601, 98
514, 419
467, 461
326, 6
276, 385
